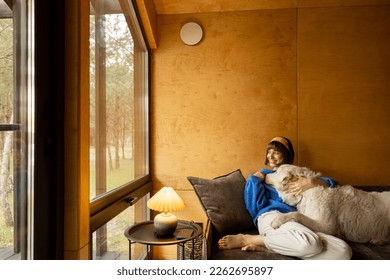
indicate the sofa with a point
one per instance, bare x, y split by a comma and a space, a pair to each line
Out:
222, 199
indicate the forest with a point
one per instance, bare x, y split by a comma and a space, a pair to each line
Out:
6, 137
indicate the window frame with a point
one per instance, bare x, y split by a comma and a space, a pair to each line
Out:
108, 205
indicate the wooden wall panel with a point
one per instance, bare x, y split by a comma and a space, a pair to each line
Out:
215, 105
344, 92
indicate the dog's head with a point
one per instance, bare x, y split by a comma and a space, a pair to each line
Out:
285, 174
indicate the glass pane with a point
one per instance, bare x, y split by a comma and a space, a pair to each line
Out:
109, 241
7, 214
15, 141
114, 109
8, 246
118, 120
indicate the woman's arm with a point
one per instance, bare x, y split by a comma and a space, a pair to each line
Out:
302, 184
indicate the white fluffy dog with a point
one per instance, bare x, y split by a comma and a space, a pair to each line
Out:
343, 211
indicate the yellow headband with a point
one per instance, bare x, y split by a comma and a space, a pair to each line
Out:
282, 141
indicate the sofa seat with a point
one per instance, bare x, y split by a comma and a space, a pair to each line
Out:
360, 251
366, 251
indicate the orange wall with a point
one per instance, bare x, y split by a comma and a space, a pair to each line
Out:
317, 76
344, 93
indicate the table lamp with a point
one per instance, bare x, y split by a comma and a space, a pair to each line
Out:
165, 200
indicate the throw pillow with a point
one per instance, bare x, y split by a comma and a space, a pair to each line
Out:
222, 199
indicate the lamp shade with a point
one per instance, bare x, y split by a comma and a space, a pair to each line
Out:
166, 200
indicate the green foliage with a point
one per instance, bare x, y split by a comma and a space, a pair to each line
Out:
115, 177
6, 73
6, 232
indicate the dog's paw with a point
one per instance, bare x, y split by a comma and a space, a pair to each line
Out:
280, 220
377, 242
276, 223
255, 248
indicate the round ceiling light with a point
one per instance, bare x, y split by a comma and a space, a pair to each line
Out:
191, 33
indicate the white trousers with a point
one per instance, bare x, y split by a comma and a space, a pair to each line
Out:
294, 239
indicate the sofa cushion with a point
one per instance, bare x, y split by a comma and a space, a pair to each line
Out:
222, 199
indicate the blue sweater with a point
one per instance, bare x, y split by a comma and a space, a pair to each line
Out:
261, 198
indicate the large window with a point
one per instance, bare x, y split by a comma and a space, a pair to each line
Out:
16, 130
32, 125
119, 128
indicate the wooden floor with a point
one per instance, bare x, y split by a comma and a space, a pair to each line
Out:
113, 256
8, 254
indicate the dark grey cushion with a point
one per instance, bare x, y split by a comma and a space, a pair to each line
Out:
222, 199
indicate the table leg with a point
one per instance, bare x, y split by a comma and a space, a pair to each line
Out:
193, 249
130, 249
148, 248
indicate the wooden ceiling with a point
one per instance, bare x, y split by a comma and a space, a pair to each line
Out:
206, 6
151, 9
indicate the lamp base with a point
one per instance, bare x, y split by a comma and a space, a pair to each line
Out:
165, 224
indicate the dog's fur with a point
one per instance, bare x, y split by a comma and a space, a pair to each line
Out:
343, 211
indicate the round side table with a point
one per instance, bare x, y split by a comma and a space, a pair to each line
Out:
144, 233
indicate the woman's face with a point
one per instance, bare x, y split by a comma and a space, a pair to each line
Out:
275, 158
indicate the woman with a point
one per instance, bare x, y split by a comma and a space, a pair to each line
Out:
264, 204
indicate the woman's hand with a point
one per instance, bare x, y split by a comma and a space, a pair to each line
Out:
260, 174
301, 184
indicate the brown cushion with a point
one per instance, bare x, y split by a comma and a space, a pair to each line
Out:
222, 199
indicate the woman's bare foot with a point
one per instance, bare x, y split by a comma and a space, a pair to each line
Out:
240, 240
231, 242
